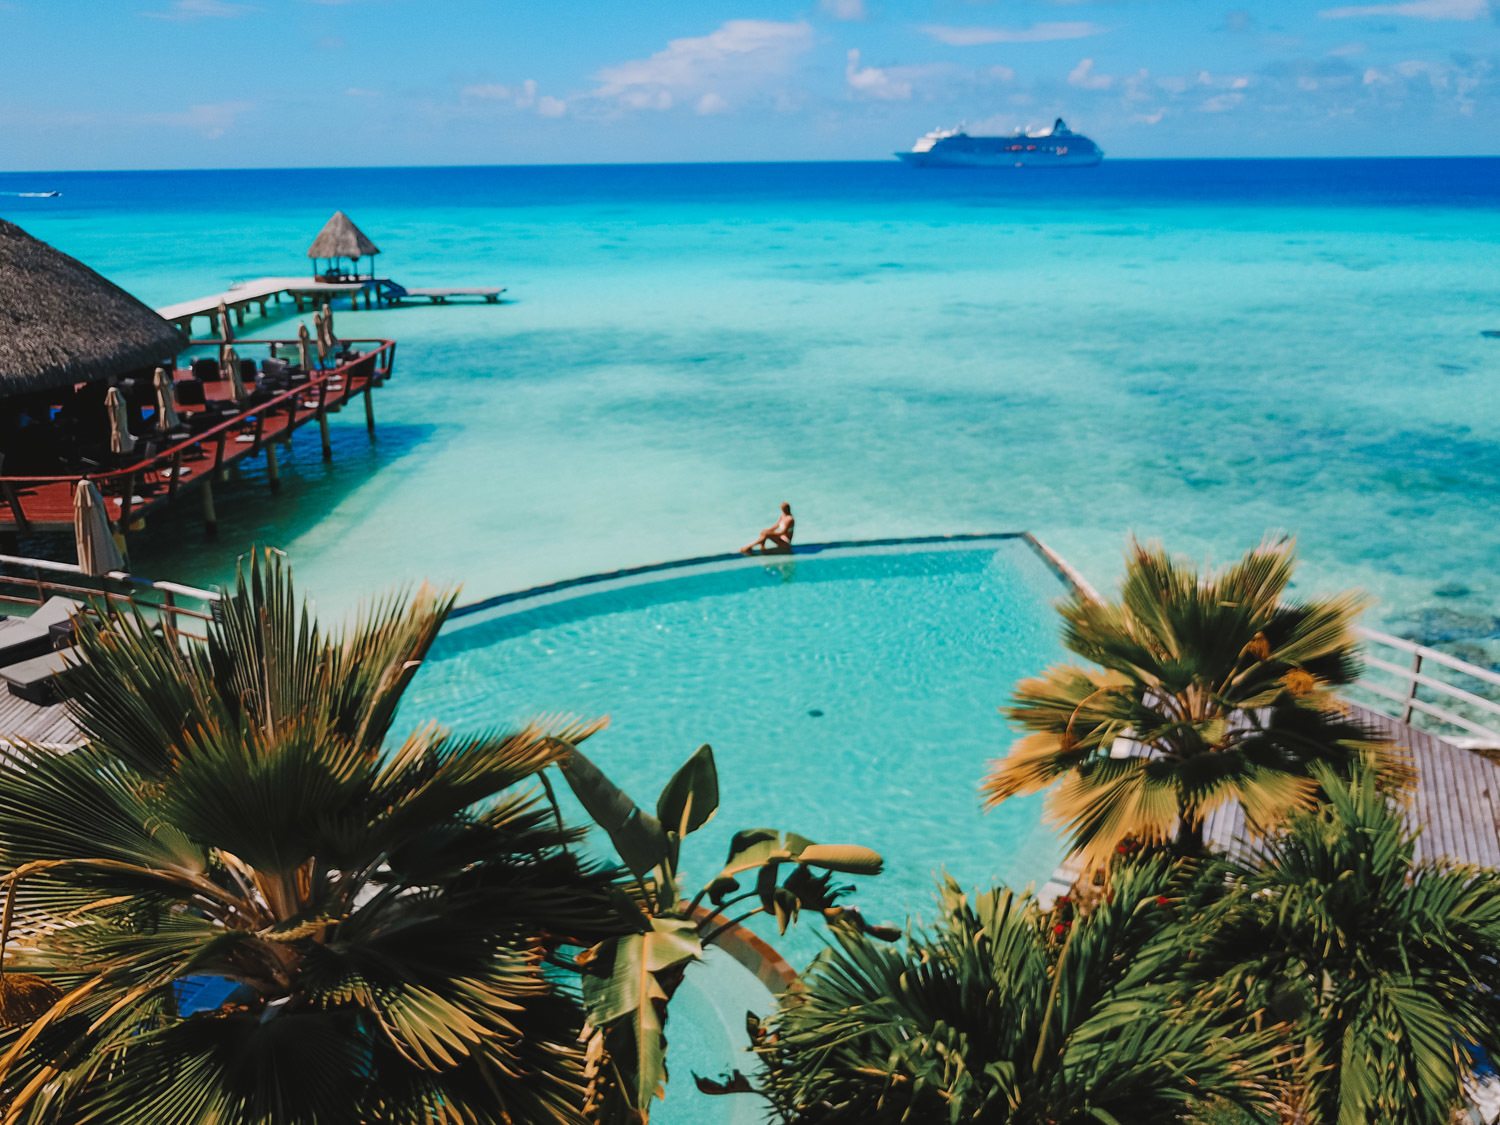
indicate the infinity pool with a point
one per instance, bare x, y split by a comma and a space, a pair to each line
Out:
850, 695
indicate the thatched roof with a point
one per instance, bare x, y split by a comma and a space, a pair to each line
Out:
61, 323
340, 238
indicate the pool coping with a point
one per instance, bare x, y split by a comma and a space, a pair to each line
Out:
1054, 562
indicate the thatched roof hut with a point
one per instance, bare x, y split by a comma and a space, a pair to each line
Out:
61, 323
340, 238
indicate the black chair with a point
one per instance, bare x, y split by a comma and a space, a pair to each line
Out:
247, 370
189, 392
206, 370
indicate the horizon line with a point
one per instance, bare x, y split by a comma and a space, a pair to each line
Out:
885, 162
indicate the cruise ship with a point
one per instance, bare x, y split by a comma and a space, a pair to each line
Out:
1059, 147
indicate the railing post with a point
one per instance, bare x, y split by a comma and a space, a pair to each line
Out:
169, 617
1411, 691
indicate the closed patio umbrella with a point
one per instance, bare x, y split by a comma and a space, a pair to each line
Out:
304, 347
166, 402
226, 327
120, 439
230, 363
332, 340
98, 553
322, 340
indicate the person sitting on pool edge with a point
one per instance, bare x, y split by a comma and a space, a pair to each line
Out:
776, 539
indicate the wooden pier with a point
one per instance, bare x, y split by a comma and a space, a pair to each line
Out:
307, 293
135, 490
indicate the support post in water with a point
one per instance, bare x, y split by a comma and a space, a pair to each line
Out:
323, 430
369, 411
273, 469
210, 517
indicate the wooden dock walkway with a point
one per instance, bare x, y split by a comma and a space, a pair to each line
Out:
262, 292
133, 491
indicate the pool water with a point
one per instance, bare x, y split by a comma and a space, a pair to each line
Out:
850, 696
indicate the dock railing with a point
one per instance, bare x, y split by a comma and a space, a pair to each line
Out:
1426, 688
180, 609
164, 466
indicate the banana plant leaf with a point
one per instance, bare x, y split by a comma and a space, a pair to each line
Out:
691, 798
637, 836
630, 996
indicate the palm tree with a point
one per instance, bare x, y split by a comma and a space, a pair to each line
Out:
1206, 689
1387, 964
1006, 1014
386, 919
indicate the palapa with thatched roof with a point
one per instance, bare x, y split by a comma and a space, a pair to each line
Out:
61, 323
340, 238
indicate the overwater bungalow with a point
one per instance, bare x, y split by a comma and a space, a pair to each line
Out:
94, 385
338, 242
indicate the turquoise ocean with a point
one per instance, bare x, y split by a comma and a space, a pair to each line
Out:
1200, 351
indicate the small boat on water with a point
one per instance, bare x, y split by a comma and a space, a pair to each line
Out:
32, 194
1058, 147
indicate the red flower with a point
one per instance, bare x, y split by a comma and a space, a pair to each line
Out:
1161, 900
1059, 929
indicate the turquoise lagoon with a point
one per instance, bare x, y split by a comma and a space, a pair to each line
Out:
1200, 351
1197, 351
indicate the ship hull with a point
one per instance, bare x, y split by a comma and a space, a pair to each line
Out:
1000, 159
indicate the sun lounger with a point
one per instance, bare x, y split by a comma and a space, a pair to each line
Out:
22, 638
38, 680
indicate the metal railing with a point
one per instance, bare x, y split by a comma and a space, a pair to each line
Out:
1427, 688
177, 608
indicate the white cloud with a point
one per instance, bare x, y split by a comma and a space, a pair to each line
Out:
184, 10
548, 106
711, 103
213, 120
1035, 33
1084, 78
1001, 73
487, 92
526, 96
739, 56
1221, 103
843, 9
1414, 9
361, 92
874, 81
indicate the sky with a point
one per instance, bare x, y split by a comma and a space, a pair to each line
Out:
88, 84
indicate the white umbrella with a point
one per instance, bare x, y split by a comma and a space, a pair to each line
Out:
120, 439
226, 329
333, 341
304, 347
166, 402
230, 363
98, 553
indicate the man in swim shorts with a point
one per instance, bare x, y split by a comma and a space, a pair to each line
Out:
775, 539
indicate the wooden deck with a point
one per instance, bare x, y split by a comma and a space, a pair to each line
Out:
45, 503
1455, 805
441, 296
262, 291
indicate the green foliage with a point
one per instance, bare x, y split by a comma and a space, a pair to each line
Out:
1004, 1013
629, 980
1202, 689
1387, 963
386, 915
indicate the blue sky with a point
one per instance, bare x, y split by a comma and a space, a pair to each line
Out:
233, 83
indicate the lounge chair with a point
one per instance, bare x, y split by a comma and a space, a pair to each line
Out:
22, 638
38, 680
